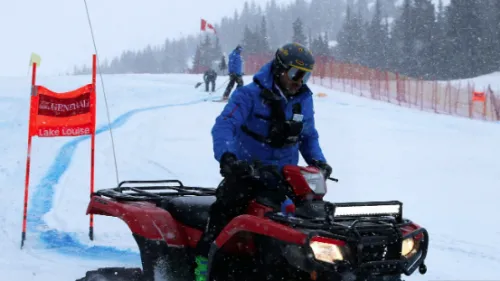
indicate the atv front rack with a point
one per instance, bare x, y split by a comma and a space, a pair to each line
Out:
365, 231
344, 228
152, 190
348, 223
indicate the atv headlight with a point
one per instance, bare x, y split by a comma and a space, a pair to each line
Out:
316, 182
408, 246
325, 251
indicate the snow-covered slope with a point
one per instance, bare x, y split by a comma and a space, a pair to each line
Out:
444, 169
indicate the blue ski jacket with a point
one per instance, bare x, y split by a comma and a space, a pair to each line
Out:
244, 108
235, 62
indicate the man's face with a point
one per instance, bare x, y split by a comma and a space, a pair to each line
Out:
290, 85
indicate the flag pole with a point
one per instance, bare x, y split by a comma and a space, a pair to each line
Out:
28, 158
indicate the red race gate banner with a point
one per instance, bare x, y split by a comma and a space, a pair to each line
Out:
66, 114
62, 114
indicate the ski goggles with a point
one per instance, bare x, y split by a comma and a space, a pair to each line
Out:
297, 74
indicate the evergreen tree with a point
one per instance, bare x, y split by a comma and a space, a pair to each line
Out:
319, 46
488, 46
197, 59
206, 54
464, 37
424, 31
377, 53
167, 56
388, 60
217, 50
273, 33
363, 48
326, 45
264, 39
363, 10
439, 60
350, 39
298, 32
250, 42
496, 34
404, 39
424, 40
388, 7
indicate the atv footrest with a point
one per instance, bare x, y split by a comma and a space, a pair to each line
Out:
113, 274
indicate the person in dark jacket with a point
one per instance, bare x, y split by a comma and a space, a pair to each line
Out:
235, 70
209, 77
270, 120
223, 65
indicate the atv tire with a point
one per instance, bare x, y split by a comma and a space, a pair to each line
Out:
113, 274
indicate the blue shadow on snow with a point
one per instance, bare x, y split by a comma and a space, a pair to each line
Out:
42, 200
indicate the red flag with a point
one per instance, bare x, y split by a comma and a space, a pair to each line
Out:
205, 25
62, 114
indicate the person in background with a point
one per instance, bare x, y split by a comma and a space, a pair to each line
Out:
209, 77
235, 71
223, 65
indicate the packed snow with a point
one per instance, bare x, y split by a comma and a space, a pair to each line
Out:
445, 170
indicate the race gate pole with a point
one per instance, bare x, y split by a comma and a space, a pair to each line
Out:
28, 160
92, 140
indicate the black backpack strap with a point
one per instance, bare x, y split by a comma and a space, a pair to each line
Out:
297, 108
254, 135
280, 128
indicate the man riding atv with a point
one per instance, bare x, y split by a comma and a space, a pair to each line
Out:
270, 121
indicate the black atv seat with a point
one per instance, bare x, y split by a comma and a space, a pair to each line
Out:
190, 210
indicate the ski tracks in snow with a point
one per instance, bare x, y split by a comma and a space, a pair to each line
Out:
43, 198
473, 250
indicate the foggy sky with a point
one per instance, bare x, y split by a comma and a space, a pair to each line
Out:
59, 32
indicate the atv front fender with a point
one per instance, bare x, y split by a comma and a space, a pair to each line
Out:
249, 224
262, 226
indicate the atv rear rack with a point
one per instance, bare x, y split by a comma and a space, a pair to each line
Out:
152, 190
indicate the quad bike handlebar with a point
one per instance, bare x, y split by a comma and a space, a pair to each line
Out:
256, 167
333, 179
288, 184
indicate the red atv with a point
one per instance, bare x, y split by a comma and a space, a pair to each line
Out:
323, 241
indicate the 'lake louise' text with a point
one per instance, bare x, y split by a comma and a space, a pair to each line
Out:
63, 132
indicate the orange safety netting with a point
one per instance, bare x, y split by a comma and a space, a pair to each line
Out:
443, 97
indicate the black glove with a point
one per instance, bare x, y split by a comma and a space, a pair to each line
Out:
270, 177
231, 167
323, 166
